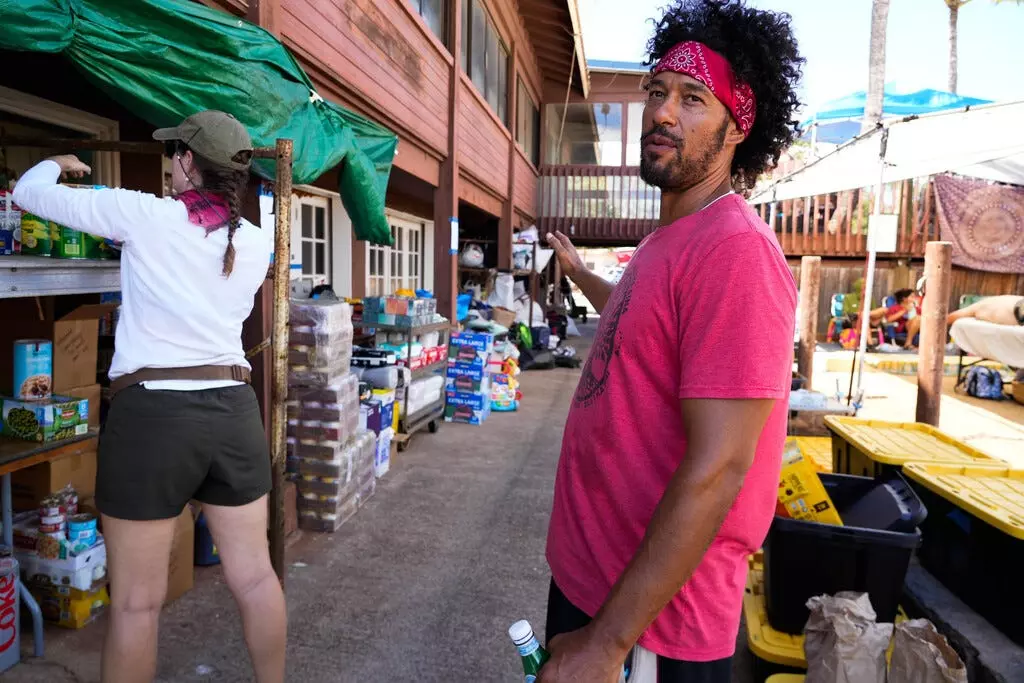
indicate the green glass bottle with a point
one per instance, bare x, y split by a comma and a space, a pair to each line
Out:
532, 654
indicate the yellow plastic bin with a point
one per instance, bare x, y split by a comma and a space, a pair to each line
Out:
870, 448
974, 536
817, 449
786, 678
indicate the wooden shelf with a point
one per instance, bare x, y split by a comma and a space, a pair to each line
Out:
16, 454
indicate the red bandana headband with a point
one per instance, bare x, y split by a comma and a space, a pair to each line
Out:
713, 70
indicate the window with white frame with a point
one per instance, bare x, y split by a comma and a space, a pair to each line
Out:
315, 238
399, 266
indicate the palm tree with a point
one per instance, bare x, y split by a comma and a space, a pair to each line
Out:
876, 65
954, 16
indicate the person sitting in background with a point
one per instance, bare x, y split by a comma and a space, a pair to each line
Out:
898, 313
1007, 309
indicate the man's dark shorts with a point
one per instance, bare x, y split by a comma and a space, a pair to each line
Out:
160, 449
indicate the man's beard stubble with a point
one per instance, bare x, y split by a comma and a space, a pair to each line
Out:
678, 175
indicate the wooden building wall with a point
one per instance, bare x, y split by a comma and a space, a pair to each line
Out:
524, 193
483, 141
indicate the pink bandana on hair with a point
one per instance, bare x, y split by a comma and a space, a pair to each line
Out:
714, 71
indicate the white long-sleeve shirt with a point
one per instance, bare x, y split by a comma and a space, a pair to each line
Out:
177, 309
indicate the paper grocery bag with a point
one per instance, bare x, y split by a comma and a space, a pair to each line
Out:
842, 642
920, 654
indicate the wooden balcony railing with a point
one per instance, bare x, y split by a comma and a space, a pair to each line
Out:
601, 205
598, 205
836, 224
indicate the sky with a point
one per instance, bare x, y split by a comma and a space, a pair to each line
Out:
834, 37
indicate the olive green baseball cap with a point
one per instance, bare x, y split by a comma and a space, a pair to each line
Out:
212, 134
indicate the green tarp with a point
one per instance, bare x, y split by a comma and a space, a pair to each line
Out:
166, 59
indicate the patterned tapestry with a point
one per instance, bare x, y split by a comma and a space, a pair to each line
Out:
985, 223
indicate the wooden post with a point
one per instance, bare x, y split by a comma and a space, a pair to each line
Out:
446, 196
810, 293
938, 269
279, 345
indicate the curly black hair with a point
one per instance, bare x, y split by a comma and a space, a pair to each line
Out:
763, 52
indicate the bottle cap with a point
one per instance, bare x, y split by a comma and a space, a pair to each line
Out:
520, 632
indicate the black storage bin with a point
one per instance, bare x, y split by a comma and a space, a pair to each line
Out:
804, 559
888, 503
977, 562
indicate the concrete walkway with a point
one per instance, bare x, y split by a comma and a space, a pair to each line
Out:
420, 586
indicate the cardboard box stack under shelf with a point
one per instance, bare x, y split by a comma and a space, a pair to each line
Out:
74, 331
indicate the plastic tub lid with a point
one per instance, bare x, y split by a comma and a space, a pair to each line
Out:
896, 443
993, 493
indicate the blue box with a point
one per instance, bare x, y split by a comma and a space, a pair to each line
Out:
481, 341
467, 414
474, 371
468, 383
477, 401
369, 416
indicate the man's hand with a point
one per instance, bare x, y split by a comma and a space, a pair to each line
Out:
579, 657
569, 259
71, 166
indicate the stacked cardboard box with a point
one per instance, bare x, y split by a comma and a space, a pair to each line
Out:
468, 384
330, 457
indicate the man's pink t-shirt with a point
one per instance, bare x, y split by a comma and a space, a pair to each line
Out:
705, 309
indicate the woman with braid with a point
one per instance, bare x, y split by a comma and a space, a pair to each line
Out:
184, 423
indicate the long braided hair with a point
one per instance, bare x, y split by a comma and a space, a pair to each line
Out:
229, 184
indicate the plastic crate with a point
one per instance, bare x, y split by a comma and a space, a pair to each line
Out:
817, 449
870, 448
804, 559
974, 538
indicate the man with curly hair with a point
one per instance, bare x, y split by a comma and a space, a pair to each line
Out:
670, 461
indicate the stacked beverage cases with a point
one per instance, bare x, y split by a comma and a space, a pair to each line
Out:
329, 457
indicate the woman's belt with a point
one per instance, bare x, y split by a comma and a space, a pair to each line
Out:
238, 373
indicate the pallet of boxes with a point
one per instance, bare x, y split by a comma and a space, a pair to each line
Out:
329, 457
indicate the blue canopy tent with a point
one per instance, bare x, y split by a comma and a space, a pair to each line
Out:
838, 121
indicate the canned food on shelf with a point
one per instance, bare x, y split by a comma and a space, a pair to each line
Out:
870, 448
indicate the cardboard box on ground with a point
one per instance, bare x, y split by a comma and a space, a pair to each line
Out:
181, 570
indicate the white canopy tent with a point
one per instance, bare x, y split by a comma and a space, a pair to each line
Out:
986, 141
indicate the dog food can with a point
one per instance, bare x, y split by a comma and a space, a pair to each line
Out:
36, 238
33, 369
81, 523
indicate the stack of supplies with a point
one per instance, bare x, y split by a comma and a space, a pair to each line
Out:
329, 456
468, 384
320, 342
398, 311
